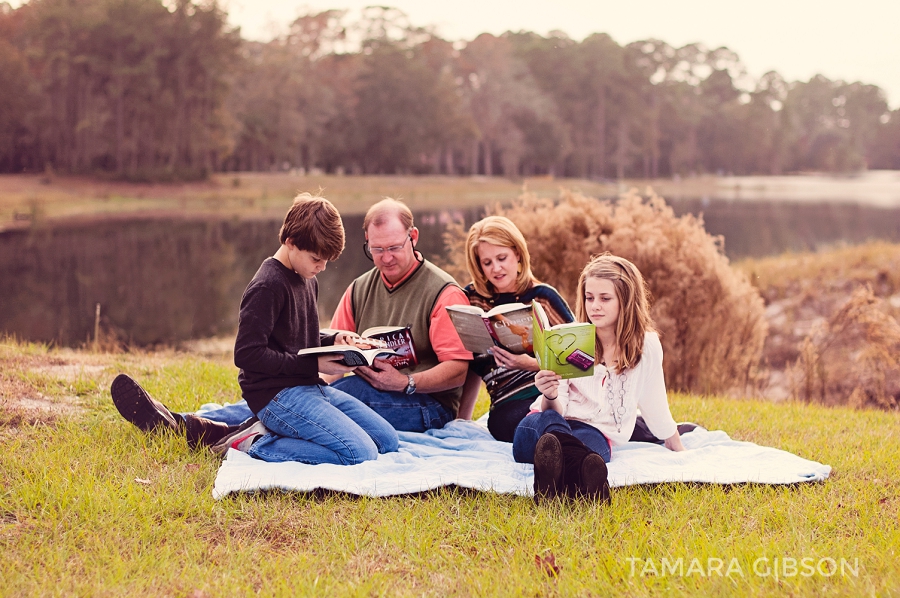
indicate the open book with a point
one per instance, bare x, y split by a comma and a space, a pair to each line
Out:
352, 356
398, 339
507, 326
567, 349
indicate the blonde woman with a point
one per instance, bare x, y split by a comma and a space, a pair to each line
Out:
498, 262
574, 422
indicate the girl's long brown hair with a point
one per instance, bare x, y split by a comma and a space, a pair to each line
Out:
634, 305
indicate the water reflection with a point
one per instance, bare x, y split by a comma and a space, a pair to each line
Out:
157, 280
165, 280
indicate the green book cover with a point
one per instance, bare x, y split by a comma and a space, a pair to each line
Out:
567, 349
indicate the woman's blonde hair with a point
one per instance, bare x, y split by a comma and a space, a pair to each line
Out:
634, 305
500, 231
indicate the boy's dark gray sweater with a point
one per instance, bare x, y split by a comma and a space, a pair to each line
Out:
278, 318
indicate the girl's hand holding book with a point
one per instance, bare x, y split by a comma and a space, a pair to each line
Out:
547, 382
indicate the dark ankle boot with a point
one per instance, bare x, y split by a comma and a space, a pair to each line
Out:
137, 406
548, 468
595, 478
205, 432
574, 452
585, 471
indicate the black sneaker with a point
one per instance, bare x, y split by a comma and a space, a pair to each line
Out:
138, 407
595, 478
548, 467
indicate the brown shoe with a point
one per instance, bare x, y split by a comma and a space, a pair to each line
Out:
138, 407
548, 467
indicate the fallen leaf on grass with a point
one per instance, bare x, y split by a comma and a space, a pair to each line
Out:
192, 466
142, 481
547, 564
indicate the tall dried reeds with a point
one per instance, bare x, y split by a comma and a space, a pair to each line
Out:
853, 358
711, 320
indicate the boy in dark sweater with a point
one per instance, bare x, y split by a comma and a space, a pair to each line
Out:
300, 418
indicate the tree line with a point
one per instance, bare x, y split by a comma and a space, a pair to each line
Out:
146, 90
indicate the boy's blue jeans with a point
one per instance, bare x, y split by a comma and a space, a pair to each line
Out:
320, 424
233, 415
410, 413
535, 425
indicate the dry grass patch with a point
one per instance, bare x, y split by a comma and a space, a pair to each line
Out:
711, 319
833, 317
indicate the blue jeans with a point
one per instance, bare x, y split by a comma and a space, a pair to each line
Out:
536, 425
233, 415
320, 424
410, 413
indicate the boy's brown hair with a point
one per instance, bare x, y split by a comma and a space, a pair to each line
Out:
313, 224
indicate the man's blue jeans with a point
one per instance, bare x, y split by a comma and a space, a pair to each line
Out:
535, 425
320, 424
410, 413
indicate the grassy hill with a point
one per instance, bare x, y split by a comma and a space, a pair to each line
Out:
91, 506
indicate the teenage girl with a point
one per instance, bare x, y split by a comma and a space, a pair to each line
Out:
574, 422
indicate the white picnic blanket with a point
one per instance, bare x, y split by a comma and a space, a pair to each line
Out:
463, 453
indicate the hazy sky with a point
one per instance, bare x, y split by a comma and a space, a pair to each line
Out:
856, 41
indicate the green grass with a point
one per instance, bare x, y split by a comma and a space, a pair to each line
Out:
78, 518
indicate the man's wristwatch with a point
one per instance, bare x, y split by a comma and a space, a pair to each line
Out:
411, 386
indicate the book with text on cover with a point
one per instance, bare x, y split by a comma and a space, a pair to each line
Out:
508, 326
397, 338
567, 349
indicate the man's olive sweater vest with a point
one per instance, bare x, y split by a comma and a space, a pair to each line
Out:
409, 304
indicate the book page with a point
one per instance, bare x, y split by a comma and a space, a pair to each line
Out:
352, 356
471, 329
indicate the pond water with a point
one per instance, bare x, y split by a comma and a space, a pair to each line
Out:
163, 280
158, 280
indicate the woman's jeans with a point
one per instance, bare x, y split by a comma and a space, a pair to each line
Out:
320, 424
536, 425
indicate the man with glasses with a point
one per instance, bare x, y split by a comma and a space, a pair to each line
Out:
404, 289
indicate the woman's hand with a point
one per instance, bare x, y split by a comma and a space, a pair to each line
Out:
330, 363
514, 361
673, 442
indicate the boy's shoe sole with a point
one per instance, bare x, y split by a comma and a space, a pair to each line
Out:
138, 407
595, 478
548, 467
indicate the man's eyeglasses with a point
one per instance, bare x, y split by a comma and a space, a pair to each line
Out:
380, 251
